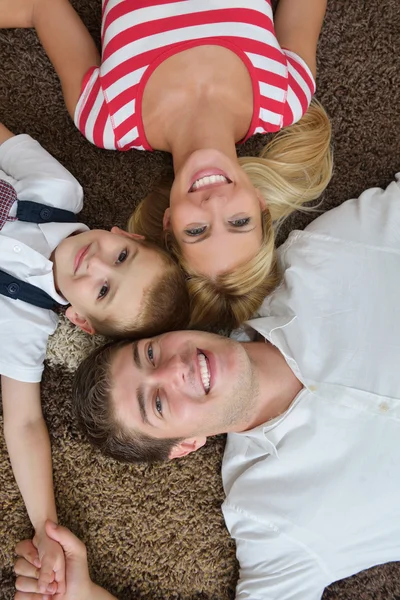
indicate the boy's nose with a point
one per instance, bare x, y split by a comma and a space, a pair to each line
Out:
96, 264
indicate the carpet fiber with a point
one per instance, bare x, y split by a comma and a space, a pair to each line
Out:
157, 532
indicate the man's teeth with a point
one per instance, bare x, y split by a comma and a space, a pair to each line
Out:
204, 372
209, 180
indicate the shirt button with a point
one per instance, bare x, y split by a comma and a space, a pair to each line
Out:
45, 214
13, 288
17, 248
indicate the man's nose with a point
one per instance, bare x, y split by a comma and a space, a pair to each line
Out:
173, 373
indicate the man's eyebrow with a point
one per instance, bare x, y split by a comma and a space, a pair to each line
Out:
142, 405
136, 355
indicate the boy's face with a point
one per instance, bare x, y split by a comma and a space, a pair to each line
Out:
104, 275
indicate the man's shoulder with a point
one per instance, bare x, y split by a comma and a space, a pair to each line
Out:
371, 218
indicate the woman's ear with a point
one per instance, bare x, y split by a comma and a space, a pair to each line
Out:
132, 236
261, 201
167, 219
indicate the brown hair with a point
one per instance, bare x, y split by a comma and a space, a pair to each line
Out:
94, 410
165, 306
293, 169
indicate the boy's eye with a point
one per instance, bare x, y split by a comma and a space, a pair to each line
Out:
150, 353
122, 257
240, 222
193, 231
158, 405
103, 291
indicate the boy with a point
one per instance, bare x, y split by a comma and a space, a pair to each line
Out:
116, 284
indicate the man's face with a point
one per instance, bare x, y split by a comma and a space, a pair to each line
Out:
184, 384
105, 274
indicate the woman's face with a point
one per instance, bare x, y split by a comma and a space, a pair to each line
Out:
215, 213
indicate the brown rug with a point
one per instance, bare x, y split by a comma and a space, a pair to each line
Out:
157, 532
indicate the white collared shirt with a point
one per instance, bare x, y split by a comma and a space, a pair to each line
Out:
313, 496
25, 250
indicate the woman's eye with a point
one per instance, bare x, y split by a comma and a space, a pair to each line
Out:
240, 222
103, 291
158, 405
195, 230
122, 257
150, 353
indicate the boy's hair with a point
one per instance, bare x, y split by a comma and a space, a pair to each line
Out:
165, 305
93, 407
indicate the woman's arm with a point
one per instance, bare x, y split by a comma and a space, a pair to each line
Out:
67, 42
298, 25
28, 445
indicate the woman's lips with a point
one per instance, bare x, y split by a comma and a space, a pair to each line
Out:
208, 173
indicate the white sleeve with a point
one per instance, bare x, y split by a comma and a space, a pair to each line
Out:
38, 176
373, 218
272, 565
24, 331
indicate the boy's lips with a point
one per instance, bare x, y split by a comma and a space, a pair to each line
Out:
80, 255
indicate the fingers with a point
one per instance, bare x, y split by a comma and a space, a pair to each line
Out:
28, 596
28, 551
46, 574
25, 568
28, 584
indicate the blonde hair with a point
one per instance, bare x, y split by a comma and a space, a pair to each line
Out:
293, 169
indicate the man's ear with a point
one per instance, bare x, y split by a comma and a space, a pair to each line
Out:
79, 320
132, 236
167, 219
187, 446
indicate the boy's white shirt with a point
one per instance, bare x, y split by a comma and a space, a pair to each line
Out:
25, 250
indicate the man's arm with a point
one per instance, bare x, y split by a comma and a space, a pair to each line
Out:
29, 449
298, 25
273, 566
79, 586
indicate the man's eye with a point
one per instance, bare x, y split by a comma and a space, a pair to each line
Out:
193, 231
122, 257
150, 353
103, 291
240, 222
158, 405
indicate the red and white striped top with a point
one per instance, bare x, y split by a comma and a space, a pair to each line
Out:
138, 35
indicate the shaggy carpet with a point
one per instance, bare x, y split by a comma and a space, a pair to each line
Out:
157, 532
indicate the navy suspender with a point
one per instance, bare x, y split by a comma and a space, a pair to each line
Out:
16, 289
33, 212
10, 286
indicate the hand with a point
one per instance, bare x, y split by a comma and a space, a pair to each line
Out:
52, 564
78, 583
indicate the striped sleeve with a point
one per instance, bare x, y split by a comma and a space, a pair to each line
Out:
301, 88
92, 116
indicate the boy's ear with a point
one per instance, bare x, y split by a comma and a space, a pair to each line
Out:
187, 446
132, 236
79, 320
167, 219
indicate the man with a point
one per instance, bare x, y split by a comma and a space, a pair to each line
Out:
312, 465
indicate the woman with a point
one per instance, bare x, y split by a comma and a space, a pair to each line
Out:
194, 78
